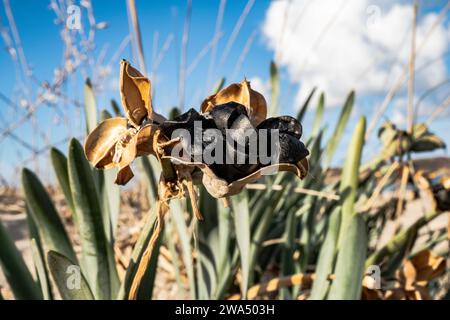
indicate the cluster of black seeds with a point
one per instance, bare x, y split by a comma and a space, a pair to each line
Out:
243, 136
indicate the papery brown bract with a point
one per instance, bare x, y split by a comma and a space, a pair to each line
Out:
241, 93
135, 90
220, 188
116, 142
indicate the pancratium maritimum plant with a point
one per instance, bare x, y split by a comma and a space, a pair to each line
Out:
236, 111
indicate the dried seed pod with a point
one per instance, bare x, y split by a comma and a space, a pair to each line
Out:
241, 93
285, 124
135, 92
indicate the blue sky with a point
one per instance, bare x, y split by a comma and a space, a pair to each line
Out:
40, 38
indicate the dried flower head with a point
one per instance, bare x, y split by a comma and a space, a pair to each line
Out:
117, 142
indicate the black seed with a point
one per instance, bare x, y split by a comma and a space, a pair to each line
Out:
188, 121
285, 124
289, 149
225, 114
183, 121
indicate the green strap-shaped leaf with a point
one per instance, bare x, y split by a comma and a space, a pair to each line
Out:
41, 270
241, 217
219, 85
116, 108
90, 107
110, 193
208, 246
146, 288
69, 279
349, 271
327, 256
105, 114
223, 261
304, 108
319, 115
170, 241
287, 250
110, 196
339, 129
44, 215
98, 259
59, 162
177, 214
15, 270
37, 249
350, 176
274, 89
151, 171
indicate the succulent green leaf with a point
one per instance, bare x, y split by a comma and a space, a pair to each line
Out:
45, 216
41, 270
90, 107
68, 277
98, 258
327, 257
339, 129
304, 108
15, 270
59, 162
274, 89
241, 217
349, 271
350, 176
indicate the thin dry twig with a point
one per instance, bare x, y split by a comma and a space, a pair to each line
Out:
404, 74
379, 188
218, 27
412, 60
183, 56
202, 54
402, 192
236, 30
136, 32
277, 187
438, 111
243, 55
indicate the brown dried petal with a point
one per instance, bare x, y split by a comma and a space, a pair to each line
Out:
241, 93
395, 294
428, 265
100, 143
135, 92
409, 274
124, 175
145, 140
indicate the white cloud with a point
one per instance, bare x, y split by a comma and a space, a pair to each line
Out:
352, 44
